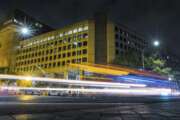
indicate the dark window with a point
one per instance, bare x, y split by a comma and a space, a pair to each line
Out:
50, 58
69, 47
85, 35
79, 52
73, 53
64, 55
84, 59
84, 51
73, 60
59, 49
54, 64
49, 64
63, 63
55, 43
42, 59
60, 41
117, 52
79, 44
51, 51
69, 39
85, 43
58, 64
68, 54
116, 36
64, 47
47, 51
116, 29
54, 57
117, 44
59, 56
68, 61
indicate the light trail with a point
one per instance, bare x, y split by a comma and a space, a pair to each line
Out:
134, 91
72, 82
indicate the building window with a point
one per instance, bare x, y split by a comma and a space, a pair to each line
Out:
73, 53
59, 56
50, 58
63, 63
54, 57
84, 51
69, 47
64, 55
117, 52
73, 60
59, 49
116, 36
51, 51
85, 43
79, 44
64, 47
68, 54
117, 44
84, 59
85, 35
49, 65
79, 52
54, 64
86, 28
58, 64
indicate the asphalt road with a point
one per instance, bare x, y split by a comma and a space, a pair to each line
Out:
89, 108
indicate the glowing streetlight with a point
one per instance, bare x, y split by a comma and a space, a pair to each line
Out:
25, 31
156, 43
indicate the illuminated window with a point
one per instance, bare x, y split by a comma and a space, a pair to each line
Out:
86, 28
61, 35
75, 31
80, 29
85, 35
70, 32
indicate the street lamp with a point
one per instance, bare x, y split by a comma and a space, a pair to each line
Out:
25, 31
156, 43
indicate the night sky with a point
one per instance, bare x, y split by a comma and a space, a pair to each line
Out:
156, 19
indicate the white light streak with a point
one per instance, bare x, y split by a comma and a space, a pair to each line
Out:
133, 91
72, 82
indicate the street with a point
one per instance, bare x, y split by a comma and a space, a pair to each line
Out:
89, 108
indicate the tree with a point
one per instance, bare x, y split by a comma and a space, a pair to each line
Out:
157, 65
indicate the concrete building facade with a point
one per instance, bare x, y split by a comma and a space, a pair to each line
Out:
94, 41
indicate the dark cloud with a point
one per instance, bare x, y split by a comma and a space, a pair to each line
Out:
157, 19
